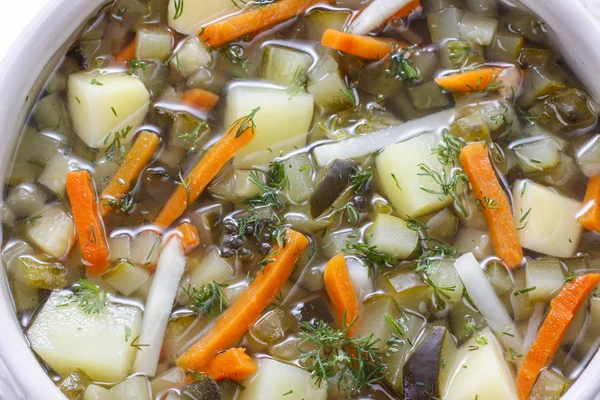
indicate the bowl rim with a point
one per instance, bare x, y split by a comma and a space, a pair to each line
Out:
24, 63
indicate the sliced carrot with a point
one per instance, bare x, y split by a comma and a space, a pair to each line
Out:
228, 29
479, 80
231, 364
364, 46
237, 319
341, 291
204, 172
476, 163
128, 53
591, 214
407, 10
88, 223
199, 99
190, 238
562, 310
129, 170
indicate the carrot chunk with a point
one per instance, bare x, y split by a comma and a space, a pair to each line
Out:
562, 310
231, 364
128, 53
341, 291
590, 219
237, 319
88, 223
363, 46
190, 239
199, 99
505, 238
479, 80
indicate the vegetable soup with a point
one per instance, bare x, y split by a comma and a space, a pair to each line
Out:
308, 199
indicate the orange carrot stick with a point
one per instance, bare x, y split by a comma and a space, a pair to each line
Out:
128, 53
237, 319
341, 292
479, 80
478, 167
88, 223
231, 28
231, 364
190, 238
363, 46
129, 170
205, 171
199, 99
591, 214
562, 310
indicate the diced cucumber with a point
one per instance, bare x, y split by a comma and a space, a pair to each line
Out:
373, 318
533, 57
53, 231
74, 384
400, 175
191, 56
428, 96
7, 218
443, 224
126, 278
173, 378
537, 154
546, 276
25, 297
425, 61
273, 326
471, 128
326, 85
408, 288
332, 186
95, 392
402, 105
444, 24
134, 388
176, 333
65, 337
298, 170
299, 222
204, 388
212, 268
23, 172
478, 28
38, 147
505, 47
283, 65
336, 242
272, 120
274, 378
443, 274
10, 257
465, 321
235, 186
564, 111
321, 19
522, 307
546, 221
103, 104
25, 200
43, 274
153, 43
430, 6
54, 175
392, 236
458, 54
549, 386
51, 113
499, 278
539, 82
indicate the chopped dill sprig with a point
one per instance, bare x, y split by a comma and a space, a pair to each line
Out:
115, 145
448, 152
402, 67
246, 123
88, 296
192, 139
178, 4
299, 82
372, 257
361, 180
448, 184
209, 299
460, 54
440, 294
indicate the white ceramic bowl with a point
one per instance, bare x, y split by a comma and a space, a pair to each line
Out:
35, 55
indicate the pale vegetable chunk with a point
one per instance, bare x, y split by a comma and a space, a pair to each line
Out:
273, 379
400, 176
546, 221
192, 55
193, 14
54, 175
212, 268
485, 374
101, 104
545, 275
65, 337
274, 120
95, 392
53, 231
391, 235
154, 43
134, 388
126, 277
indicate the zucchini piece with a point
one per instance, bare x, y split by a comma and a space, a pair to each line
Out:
51, 113
25, 200
499, 278
565, 111
471, 128
444, 24
378, 79
136, 387
191, 56
336, 242
272, 327
443, 224
533, 57
465, 321
373, 319
546, 276
326, 85
505, 47
301, 223
458, 54
95, 392
185, 124
333, 183
527, 24
401, 104
407, 288
477, 28
322, 19
74, 384
425, 372
537, 154
547, 221
443, 274
575, 264
175, 334
236, 186
43, 274
39, 147
522, 307
66, 336
126, 278
204, 388
153, 43
539, 82
282, 65
212, 268
11, 258
299, 174
53, 231
392, 236
549, 386
425, 62
400, 176
22, 172
146, 248
428, 96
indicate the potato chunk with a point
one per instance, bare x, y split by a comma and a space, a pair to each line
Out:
52, 231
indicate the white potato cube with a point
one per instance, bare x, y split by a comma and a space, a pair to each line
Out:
53, 231
67, 338
546, 221
192, 55
391, 235
273, 379
101, 104
196, 13
153, 44
280, 117
54, 175
134, 388
400, 176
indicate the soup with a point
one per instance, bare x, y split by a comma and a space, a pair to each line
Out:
304, 199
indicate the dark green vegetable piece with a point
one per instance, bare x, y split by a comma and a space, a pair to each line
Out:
204, 388
402, 106
228, 389
73, 386
506, 47
425, 370
564, 112
465, 321
82, 53
427, 96
331, 186
312, 310
44, 274
533, 57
